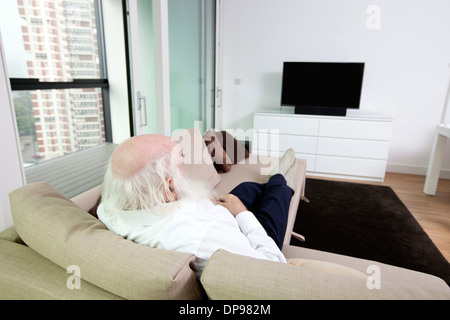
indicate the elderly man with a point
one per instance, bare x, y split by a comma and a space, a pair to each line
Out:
147, 199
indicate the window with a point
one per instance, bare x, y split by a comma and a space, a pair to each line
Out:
56, 65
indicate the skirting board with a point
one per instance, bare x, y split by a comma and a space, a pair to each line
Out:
417, 170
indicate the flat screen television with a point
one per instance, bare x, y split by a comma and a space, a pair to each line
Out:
322, 88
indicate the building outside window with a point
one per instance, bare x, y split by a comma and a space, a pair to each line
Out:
55, 57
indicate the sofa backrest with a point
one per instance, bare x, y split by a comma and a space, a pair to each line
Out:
60, 231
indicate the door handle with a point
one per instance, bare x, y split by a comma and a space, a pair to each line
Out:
141, 98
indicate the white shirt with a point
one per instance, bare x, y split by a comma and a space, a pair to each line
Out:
197, 227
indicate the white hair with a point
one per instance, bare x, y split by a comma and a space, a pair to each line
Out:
148, 188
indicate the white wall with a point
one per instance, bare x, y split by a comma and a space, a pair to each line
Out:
11, 171
407, 61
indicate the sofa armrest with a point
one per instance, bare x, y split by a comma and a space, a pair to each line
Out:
299, 192
231, 276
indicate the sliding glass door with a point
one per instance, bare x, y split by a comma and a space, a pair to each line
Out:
172, 56
191, 52
142, 66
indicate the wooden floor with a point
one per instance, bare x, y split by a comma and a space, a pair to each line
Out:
432, 212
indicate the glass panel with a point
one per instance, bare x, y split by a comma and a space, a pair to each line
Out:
52, 123
191, 43
52, 40
55, 41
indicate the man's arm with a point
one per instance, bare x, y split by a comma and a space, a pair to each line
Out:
261, 244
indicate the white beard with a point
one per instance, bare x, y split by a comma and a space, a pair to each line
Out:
191, 189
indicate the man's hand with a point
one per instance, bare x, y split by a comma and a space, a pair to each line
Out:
232, 203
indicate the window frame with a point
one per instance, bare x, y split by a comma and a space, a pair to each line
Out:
30, 84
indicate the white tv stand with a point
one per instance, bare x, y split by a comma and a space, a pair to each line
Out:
351, 147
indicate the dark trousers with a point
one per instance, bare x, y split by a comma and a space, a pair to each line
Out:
269, 202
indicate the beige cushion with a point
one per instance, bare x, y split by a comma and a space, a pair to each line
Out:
222, 161
60, 231
231, 276
327, 267
235, 150
25, 274
197, 163
11, 234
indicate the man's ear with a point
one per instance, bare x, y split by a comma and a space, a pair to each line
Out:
172, 196
170, 184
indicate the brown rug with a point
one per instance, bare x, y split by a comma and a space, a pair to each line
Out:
366, 221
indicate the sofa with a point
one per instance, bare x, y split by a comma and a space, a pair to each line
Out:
58, 249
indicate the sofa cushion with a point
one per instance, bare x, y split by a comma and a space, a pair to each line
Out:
26, 275
235, 151
222, 161
231, 276
60, 231
11, 235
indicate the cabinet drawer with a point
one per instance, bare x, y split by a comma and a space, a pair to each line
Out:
280, 142
356, 147
310, 159
368, 149
355, 129
287, 124
351, 166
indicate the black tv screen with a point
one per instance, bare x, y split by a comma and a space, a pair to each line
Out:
315, 86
